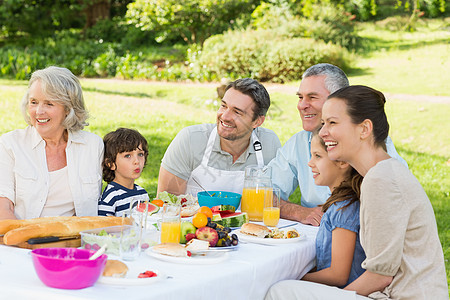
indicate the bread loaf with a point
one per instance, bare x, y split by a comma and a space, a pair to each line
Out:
7, 225
70, 227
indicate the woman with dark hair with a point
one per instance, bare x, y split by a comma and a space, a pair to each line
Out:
52, 167
404, 258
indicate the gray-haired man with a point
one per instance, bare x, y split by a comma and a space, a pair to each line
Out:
290, 166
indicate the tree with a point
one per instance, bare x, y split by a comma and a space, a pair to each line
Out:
40, 18
192, 20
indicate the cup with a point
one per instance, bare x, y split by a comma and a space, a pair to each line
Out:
171, 223
271, 212
130, 242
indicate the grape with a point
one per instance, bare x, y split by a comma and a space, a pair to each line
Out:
228, 243
234, 242
221, 234
234, 237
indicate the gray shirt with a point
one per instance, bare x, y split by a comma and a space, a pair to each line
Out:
185, 152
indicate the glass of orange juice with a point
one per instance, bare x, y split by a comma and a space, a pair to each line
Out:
170, 223
252, 202
271, 212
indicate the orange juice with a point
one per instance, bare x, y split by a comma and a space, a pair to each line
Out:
170, 232
252, 202
271, 216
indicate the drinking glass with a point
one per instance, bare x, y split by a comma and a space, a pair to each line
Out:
130, 235
271, 213
170, 224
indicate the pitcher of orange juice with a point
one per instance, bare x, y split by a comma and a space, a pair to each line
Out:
257, 183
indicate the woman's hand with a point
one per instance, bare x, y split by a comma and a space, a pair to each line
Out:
6, 209
368, 283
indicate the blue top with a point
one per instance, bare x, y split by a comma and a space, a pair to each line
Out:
346, 218
116, 199
290, 169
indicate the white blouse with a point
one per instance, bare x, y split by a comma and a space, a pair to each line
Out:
59, 200
24, 176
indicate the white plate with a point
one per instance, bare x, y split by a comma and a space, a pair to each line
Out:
132, 278
209, 258
267, 241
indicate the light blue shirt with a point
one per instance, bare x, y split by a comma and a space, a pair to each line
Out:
346, 218
290, 169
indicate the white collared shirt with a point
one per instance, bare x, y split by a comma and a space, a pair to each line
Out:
24, 176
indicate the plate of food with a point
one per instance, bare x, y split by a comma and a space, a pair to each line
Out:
176, 253
260, 234
118, 273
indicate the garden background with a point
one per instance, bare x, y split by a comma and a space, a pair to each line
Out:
155, 65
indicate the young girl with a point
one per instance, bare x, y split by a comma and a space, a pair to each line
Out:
126, 152
339, 253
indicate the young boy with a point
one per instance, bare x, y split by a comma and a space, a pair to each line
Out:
126, 152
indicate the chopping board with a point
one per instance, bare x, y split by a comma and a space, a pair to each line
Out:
72, 243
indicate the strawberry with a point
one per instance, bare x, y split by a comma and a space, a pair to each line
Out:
147, 274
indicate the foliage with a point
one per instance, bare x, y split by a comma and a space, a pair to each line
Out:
24, 20
326, 22
38, 18
265, 55
192, 20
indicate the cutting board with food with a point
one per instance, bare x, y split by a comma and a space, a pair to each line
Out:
72, 242
52, 231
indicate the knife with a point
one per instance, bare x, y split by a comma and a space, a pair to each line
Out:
50, 239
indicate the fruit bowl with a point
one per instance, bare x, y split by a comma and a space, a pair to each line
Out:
67, 268
219, 198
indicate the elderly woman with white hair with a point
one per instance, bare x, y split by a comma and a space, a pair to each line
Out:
52, 167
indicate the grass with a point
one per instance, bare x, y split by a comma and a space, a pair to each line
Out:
411, 63
405, 62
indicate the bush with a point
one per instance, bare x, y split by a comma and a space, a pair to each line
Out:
265, 55
330, 24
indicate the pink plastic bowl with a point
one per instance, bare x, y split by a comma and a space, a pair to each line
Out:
67, 268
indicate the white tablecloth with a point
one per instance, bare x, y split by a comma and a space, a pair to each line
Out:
246, 274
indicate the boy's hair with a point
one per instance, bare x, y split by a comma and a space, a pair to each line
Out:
349, 189
119, 141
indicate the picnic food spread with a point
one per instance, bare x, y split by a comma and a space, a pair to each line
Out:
18, 231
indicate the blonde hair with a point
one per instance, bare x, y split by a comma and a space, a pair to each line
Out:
61, 86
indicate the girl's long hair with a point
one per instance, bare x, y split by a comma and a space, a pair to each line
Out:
349, 189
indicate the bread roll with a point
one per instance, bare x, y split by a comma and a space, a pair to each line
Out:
255, 230
71, 227
115, 268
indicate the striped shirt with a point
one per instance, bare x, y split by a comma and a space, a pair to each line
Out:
116, 199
